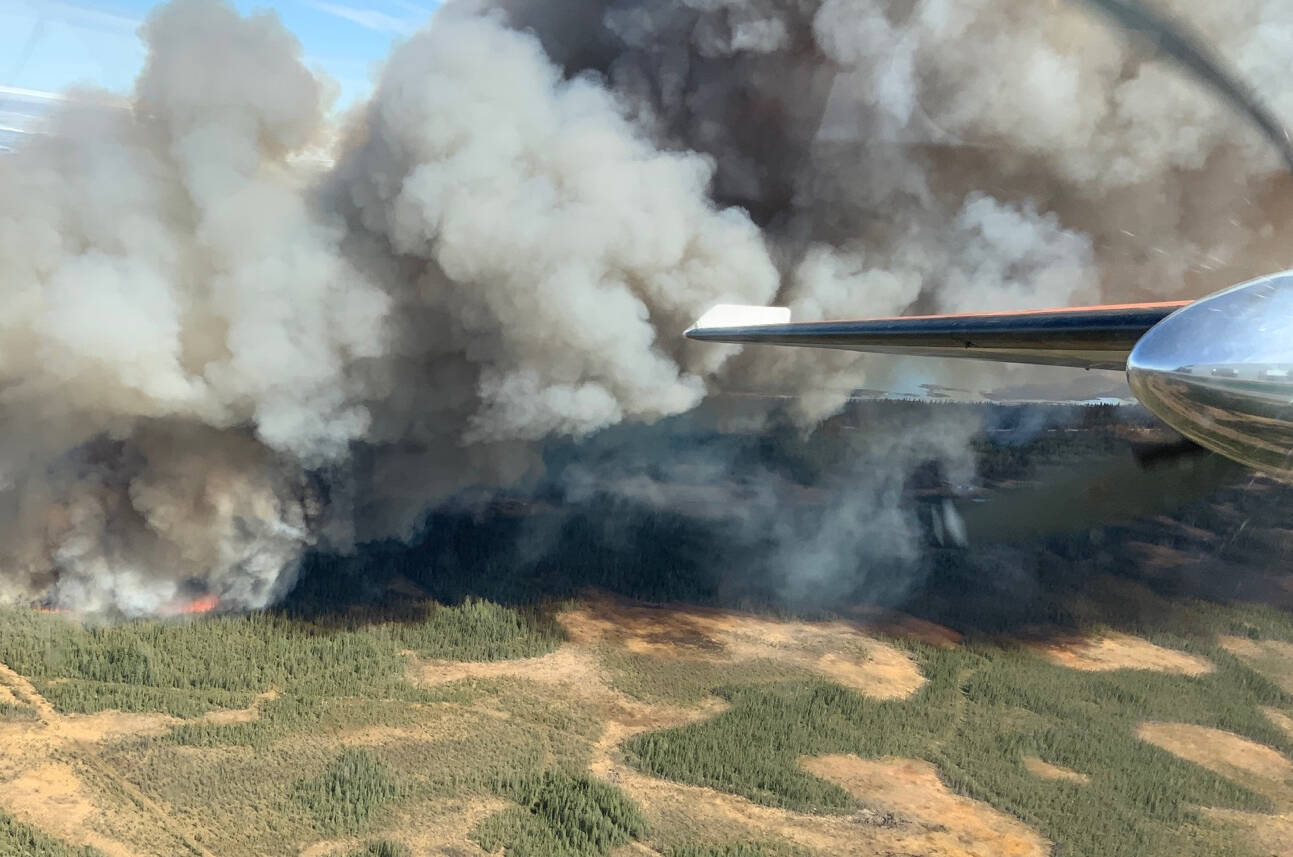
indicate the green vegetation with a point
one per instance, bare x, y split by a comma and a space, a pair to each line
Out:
16, 711
382, 848
292, 713
478, 630
344, 798
560, 814
185, 668
685, 681
88, 697
984, 709
20, 840
736, 849
237, 783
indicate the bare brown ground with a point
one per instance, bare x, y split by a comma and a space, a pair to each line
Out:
910, 812
1253, 765
1280, 719
330, 847
446, 831
1123, 652
51, 778
1047, 771
945, 823
440, 828
240, 715
1265, 769
838, 651
1272, 658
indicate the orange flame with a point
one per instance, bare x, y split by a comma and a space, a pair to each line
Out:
201, 604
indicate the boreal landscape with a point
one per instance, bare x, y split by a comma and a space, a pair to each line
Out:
1093, 690
362, 495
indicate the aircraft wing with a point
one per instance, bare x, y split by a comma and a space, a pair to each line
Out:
1098, 337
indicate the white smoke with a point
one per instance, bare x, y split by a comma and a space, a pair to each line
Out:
539, 197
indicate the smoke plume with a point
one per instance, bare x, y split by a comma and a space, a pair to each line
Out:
215, 356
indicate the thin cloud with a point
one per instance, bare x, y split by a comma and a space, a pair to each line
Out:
76, 15
31, 94
369, 19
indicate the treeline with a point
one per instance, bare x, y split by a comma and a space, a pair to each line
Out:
21, 840
561, 814
185, 668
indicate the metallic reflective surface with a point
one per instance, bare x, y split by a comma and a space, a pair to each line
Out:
1220, 371
1087, 337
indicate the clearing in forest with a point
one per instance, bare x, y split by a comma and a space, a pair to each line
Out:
608, 727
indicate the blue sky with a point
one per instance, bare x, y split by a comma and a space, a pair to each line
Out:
48, 45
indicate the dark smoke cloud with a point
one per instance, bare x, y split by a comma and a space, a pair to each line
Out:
214, 357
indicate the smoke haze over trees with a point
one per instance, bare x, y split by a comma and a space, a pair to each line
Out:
214, 356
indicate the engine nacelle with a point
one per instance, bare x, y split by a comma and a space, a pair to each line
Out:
1220, 371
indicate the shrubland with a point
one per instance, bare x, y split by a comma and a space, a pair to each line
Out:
21, 840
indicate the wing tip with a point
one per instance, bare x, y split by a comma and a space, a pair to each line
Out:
727, 316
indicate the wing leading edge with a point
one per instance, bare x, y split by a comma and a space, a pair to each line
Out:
1098, 337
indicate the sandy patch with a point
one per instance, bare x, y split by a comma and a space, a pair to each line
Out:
708, 815
907, 811
1047, 771
331, 847
53, 799
446, 832
65, 798
226, 716
1246, 648
952, 825
53, 794
1123, 652
834, 650
23, 691
1260, 767
1269, 833
438, 828
1253, 765
885, 674
107, 725
1271, 658
1280, 719
838, 651
569, 665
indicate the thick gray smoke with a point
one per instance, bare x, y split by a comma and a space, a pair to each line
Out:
213, 357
